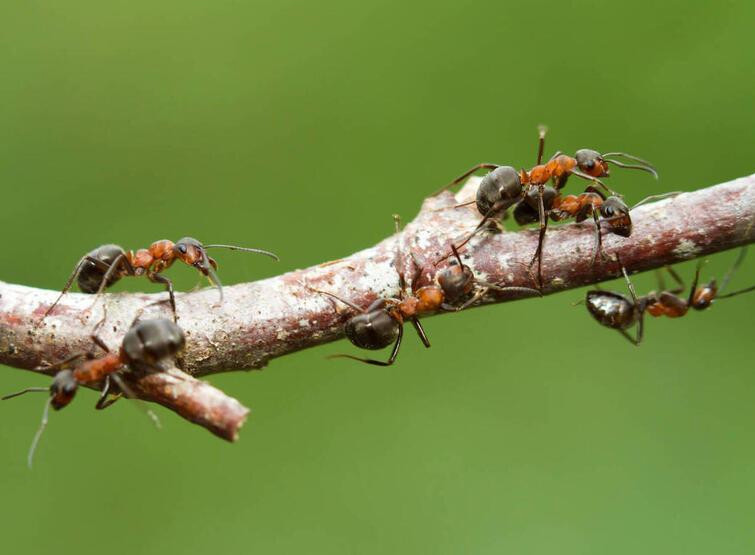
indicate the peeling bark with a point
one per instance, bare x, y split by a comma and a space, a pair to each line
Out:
262, 320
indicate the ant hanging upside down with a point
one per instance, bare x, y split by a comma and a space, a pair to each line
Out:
504, 186
618, 312
382, 323
105, 265
144, 346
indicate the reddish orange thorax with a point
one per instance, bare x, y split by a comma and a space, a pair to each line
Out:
94, 370
430, 298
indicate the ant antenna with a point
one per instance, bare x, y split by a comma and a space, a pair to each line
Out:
737, 263
660, 196
27, 390
42, 426
643, 165
333, 296
245, 249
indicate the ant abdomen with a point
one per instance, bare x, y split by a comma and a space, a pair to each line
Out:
150, 341
611, 309
90, 276
500, 188
528, 210
373, 330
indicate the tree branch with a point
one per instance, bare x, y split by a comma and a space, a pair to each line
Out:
270, 318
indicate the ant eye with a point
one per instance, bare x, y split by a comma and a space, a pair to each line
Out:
182, 248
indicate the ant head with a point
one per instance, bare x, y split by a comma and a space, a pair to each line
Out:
63, 389
502, 186
150, 341
591, 162
615, 210
704, 295
191, 252
611, 309
372, 330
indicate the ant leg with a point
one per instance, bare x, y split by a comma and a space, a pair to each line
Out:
67, 286
397, 262
677, 279
121, 260
487, 217
75, 274
543, 227
103, 402
555, 155
63, 363
462, 177
598, 249
95, 337
637, 306
159, 278
391, 359
634, 341
694, 284
421, 332
632, 292
420, 267
734, 267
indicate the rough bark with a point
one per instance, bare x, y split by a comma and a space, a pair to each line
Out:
270, 318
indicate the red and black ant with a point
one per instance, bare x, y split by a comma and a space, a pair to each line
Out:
382, 323
105, 265
593, 203
618, 312
144, 346
504, 186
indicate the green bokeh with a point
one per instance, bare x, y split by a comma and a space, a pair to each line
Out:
300, 127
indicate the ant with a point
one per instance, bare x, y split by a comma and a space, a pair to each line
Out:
382, 323
616, 311
144, 346
503, 186
592, 203
104, 266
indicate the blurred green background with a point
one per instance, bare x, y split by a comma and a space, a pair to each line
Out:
300, 127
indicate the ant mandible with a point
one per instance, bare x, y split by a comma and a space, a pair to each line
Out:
618, 312
503, 186
382, 323
105, 265
144, 346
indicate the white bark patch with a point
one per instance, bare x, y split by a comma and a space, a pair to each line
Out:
686, 249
